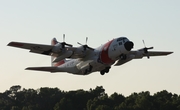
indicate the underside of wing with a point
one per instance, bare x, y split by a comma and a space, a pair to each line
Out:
80, 52
139, 55
120, 62
35, 48
157, 53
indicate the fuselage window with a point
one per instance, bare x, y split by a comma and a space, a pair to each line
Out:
124, 40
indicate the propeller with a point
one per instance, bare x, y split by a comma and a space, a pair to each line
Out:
85, 46
64, 43
145, 49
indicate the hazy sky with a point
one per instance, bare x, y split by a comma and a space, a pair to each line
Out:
157, 22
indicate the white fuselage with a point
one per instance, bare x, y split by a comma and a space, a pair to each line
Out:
98, 60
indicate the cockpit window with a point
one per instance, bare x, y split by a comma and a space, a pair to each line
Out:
121, 39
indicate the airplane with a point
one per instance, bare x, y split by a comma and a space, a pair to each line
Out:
84, 60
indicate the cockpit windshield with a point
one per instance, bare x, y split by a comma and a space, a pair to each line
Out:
121, 39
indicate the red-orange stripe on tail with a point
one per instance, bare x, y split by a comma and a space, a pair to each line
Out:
59, 63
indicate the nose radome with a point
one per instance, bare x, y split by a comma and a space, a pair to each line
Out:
128, 45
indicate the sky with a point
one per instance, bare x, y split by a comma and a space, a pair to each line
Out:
156, 22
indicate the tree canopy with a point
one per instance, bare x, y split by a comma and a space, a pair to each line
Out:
47, 98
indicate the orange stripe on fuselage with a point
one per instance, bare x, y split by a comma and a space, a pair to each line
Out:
104, 57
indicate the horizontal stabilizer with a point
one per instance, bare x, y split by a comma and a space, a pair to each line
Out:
63, 56
47, 69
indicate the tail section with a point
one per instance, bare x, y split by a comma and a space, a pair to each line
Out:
54, 41
55, 64
59, 63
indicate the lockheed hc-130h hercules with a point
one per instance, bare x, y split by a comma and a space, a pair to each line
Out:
84, 59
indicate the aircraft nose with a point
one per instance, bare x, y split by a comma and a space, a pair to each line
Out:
128, 45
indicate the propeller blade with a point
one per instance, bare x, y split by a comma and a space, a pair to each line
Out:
64, 43
86, 46
79, 43
144, 43
90, 48
63, 37
148, 56
150, 48
86, 40
68, 45
146, 49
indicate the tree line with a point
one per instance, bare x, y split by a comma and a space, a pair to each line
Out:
47, 98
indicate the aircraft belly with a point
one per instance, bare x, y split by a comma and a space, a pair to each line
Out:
68, 69
97, 68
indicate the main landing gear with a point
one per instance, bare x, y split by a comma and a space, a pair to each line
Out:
106, 70
88, 70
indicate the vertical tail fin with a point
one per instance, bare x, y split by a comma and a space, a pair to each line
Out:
54, 42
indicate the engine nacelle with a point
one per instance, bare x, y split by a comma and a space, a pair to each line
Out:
63, 56
138, 54
79, 51
57, 48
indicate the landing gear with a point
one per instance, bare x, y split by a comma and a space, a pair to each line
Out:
88, 70
106, 70
102, 72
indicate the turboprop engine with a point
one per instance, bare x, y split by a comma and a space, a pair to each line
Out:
57, 48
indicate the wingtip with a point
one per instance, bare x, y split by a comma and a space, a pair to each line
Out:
28, 68
171, 52
15, 44
9, 44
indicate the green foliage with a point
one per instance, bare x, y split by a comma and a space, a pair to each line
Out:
95, 99
64, 104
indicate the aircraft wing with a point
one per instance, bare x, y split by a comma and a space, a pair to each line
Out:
78, 52
140, 54
47, 50
35, 48
46, 69
157, 53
